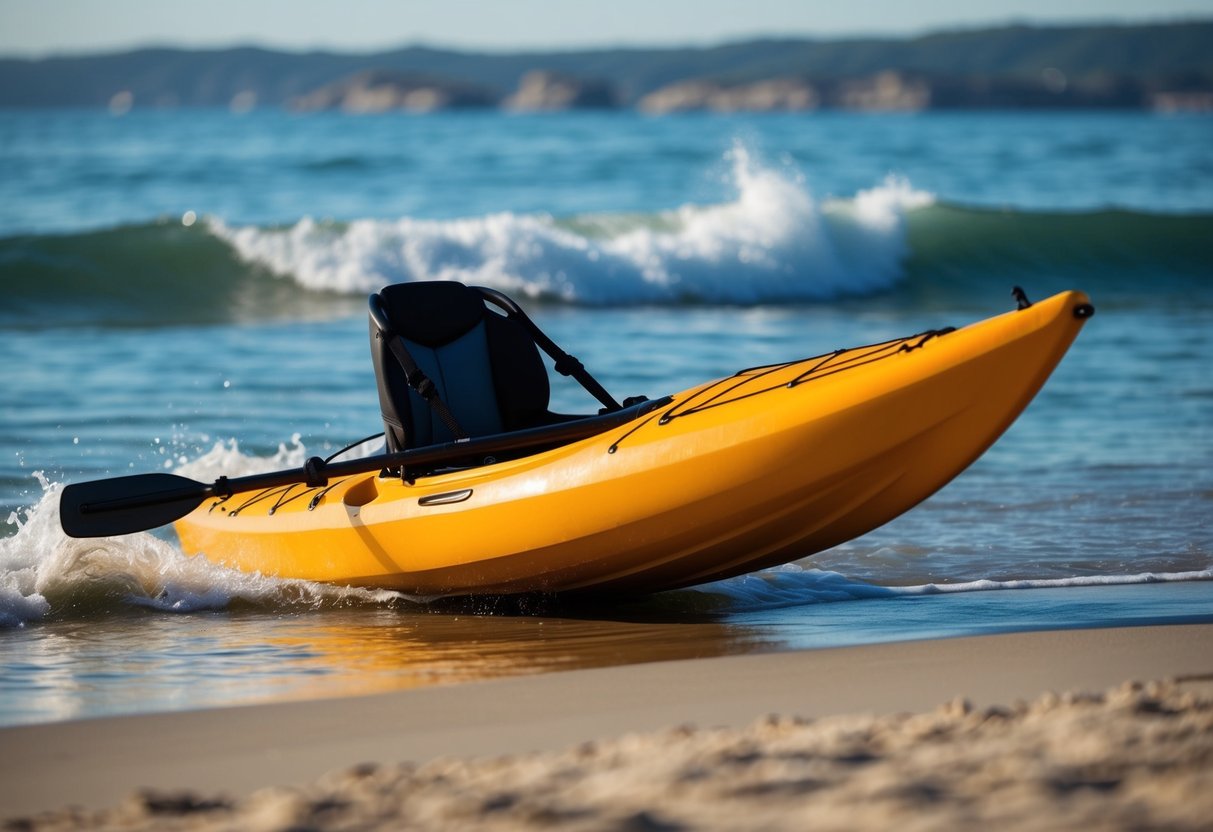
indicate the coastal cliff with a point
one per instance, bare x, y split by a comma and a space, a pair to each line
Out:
760, 96
543, 90
378, 91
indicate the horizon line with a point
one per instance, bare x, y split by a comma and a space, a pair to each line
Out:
756, 37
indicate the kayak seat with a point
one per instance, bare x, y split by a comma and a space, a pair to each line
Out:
485, 366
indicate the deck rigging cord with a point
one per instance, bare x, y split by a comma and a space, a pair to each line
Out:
284, 492
823, 365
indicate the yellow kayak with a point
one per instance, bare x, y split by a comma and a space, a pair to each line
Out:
756, 469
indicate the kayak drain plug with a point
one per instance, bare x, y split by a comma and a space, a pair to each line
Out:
1084, 310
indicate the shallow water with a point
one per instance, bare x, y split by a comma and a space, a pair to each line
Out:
85, 667
185, 291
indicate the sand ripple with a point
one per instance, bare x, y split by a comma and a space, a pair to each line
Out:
1136, 757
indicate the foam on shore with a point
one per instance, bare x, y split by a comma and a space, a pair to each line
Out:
45, 573
795, 585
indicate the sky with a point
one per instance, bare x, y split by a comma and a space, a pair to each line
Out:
35, 28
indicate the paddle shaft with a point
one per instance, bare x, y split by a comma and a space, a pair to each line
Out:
198, 491
108, 507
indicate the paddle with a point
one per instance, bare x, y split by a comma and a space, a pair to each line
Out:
124, 505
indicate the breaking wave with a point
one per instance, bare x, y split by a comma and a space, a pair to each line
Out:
773, 242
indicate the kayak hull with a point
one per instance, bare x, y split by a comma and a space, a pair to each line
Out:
750, 471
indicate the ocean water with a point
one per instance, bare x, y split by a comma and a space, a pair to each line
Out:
185, 291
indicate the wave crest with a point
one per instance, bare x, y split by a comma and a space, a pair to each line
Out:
773, 242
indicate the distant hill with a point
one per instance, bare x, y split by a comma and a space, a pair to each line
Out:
1085, 65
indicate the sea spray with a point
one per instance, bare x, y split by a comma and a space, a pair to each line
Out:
226, 459
44, 573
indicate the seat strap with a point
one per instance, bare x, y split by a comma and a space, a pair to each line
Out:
568, 365
565, 364
422, 385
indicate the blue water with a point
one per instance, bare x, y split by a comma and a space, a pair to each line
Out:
185, 291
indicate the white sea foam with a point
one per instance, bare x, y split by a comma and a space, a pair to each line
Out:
792, 585
45, 573
773, 241
226, 459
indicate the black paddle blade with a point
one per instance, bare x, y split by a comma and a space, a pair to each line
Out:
127, 504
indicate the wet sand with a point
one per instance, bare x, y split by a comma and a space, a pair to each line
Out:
921, 734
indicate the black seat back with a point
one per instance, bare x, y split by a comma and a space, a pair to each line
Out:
485, 366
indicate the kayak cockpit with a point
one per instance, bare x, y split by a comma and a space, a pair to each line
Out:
455, 363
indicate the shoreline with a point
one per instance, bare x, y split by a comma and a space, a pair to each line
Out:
236, 751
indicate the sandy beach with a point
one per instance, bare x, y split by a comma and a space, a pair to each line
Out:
1112, 727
